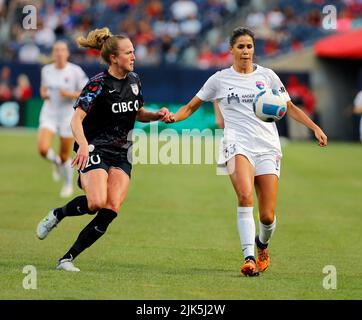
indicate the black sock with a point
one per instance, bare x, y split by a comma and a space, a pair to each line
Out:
250, 258
76, 207
91, 233
259, 244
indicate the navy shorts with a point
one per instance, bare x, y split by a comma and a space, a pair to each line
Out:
97, 160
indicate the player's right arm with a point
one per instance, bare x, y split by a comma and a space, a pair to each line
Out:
207, 93
43, 84
81, 157
82, 106
187, 110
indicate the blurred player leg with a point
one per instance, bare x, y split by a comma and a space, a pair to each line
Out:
45, 140
56, 173
66, 144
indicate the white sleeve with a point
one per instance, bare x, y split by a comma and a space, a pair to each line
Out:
275, 83
358, 100
82, 79
209, 90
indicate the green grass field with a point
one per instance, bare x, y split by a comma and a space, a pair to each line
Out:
176, 235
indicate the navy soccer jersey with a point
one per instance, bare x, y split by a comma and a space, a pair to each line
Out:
111, 105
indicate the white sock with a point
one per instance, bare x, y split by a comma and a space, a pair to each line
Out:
51, 156
67, 172
266, 231
246, 227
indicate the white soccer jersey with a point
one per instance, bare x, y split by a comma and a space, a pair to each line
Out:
357, 102
57, 111
70, 78
235, 93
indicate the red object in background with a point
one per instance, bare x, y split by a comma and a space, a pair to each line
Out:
154, 8
223, 59
24, 94
271, 47
92, 52
344, 24
205, 59
300, 92
144, 38
296, 45
5, 93
341, 45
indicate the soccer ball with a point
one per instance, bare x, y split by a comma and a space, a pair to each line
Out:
269, 106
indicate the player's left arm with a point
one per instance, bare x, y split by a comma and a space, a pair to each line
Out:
81, 81
299, 115
144, 115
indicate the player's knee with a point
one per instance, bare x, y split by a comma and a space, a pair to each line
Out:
113, 206
63, 157
115, 203
245, 199
267, 217
43, 150
95, 204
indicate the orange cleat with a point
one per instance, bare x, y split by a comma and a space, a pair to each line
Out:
263, 259
250, 268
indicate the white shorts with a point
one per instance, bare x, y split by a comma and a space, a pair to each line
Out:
56, 122
263, 163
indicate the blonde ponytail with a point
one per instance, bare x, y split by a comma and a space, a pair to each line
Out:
95, 39
102, 40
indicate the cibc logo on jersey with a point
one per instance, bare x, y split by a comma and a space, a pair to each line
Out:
120, 107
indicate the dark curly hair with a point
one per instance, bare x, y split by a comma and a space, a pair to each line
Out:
241, 31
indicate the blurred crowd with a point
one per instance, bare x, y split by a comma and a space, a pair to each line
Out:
168, 31
161, 30
289, 26
292, 24
20, 91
